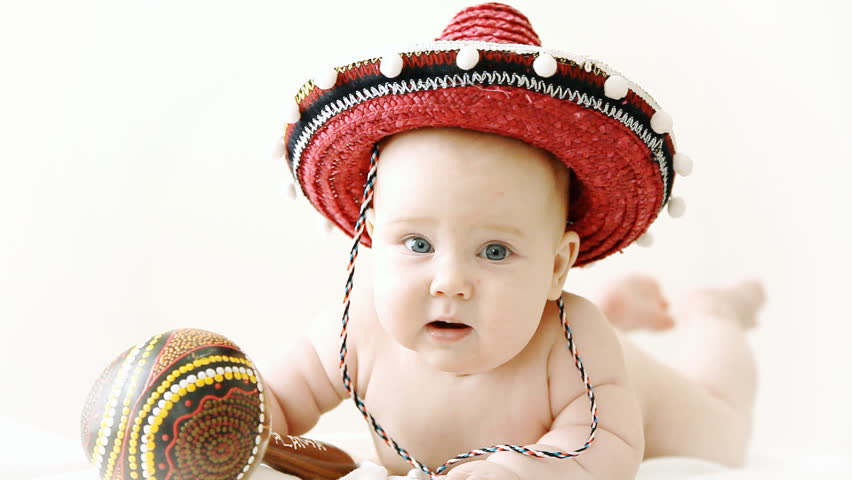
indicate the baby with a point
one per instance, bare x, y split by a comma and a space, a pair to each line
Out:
461, 337
455, 342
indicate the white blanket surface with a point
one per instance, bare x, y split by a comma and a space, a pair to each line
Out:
29, 453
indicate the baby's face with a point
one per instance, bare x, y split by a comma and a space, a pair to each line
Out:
469, 243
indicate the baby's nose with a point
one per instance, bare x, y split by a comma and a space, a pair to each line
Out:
451, 280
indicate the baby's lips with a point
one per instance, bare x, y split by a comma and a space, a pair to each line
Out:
448, 319
448, 322
447, 332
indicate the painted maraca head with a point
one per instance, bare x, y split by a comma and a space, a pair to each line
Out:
183, 405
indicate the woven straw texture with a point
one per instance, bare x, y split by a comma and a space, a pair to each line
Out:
619, 187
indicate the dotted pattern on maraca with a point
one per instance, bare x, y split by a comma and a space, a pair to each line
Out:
187, 339
186, 404
89, 407
213, 436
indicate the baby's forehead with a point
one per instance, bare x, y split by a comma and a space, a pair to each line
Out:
480, 181
475, 169
455, 136
451, 149
454, 200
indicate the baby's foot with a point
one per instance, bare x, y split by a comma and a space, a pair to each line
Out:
740, 303
636, 302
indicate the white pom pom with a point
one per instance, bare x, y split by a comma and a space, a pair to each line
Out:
682, 164
290, 190
367, 470
291, 112
661, 122
326, 79
677, 207
467, 57
279, 151
325, 225
417, 474
544, 65
615, 87
646, 240
391, 65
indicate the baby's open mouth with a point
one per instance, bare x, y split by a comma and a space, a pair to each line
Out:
442, 325
447, 332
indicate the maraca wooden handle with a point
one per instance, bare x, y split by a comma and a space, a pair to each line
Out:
307, 459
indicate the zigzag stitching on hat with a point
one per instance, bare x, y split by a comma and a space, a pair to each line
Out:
655, 144
468, 79
451, 46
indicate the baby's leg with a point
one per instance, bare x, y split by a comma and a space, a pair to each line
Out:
635, 302
701, 404
712, 325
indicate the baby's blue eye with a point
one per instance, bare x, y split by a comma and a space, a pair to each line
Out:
418, 245
495, 251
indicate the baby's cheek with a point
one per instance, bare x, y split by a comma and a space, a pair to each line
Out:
514, 327
395, 309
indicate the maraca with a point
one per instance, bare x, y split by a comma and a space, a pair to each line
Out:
189, 405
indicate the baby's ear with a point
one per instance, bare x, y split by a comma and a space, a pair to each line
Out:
370, 220
566, 255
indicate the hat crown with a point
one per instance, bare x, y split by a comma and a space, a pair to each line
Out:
491, 22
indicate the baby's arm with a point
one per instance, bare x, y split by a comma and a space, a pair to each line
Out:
305, 382
619, 444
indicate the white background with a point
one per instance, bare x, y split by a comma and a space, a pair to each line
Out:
138, 192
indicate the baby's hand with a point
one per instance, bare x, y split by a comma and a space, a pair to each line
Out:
480, 470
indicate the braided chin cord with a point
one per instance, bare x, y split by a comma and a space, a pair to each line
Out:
366, 200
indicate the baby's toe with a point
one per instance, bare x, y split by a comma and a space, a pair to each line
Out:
656, 317
753, 293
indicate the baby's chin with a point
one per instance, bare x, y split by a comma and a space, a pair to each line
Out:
456, 368
459, 361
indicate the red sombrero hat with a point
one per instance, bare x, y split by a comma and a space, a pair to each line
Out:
613, 135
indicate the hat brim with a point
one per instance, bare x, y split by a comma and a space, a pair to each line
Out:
620, 165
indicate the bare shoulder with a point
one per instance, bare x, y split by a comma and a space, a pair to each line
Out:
303, 379
595, 342
610, 408
361, 337
324, 335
